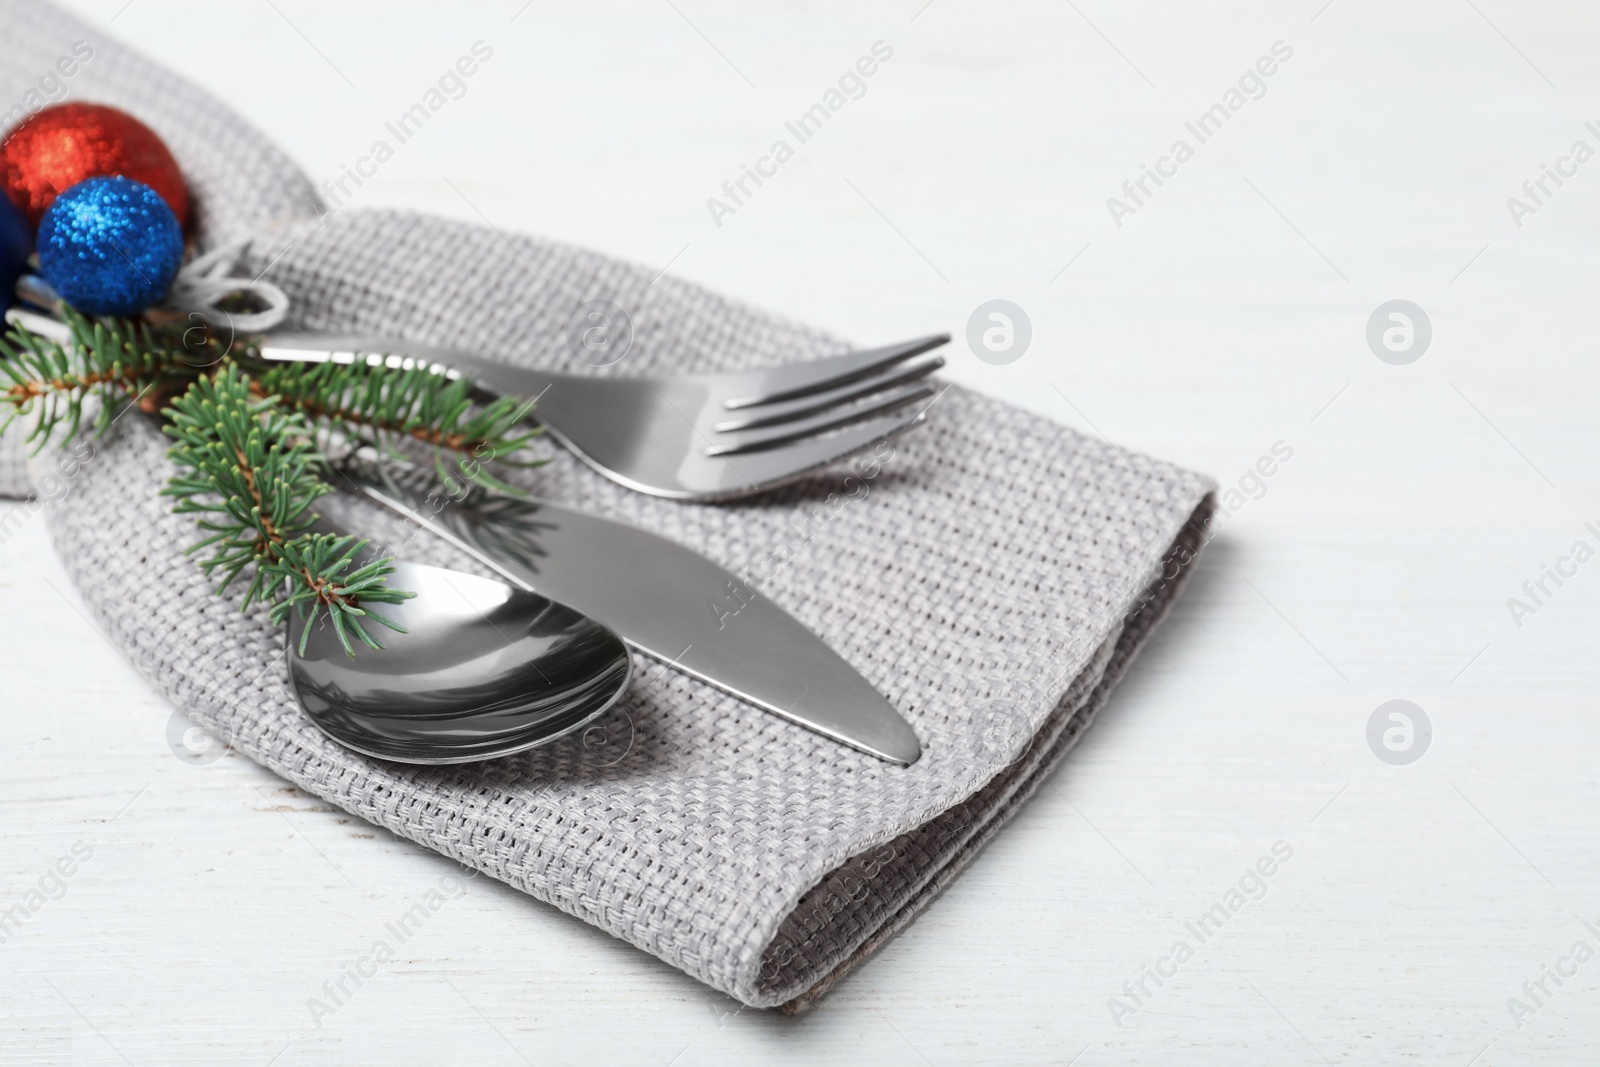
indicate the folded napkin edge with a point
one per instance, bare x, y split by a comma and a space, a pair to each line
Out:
1153, 602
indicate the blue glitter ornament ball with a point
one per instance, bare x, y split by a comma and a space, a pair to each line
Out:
110, 246
16, 241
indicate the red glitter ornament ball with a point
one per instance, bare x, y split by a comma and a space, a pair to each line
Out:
62, 145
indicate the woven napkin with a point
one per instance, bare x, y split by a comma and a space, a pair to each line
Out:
994, 580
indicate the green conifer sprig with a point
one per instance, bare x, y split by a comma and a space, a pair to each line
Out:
380, 404
108, 359
244, 433
250, 471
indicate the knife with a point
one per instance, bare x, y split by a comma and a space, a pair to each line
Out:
665, 600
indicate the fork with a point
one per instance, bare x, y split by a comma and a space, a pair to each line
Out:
700, 437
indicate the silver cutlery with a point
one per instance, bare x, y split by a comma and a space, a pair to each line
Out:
476, 670
482, 670
663, 599
699, 437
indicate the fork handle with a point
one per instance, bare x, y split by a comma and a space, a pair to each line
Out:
496, 379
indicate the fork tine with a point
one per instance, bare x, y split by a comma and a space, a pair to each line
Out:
757, 441
801, 379
778, 465
817, 403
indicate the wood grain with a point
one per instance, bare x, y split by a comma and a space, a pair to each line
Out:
1226, 315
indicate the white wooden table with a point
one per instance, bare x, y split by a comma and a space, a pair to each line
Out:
1227, 313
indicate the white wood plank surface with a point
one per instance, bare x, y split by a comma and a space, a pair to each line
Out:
1227, 314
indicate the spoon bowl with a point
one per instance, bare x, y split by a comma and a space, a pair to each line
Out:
483, 670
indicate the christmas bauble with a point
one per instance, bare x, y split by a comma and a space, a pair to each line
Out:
110, 246
62, 145
16, 241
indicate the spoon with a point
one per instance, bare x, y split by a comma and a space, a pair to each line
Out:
484, 670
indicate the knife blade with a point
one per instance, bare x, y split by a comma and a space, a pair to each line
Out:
667, 601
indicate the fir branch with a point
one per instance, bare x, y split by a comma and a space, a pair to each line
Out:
106, 360
248, 469
382, 403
